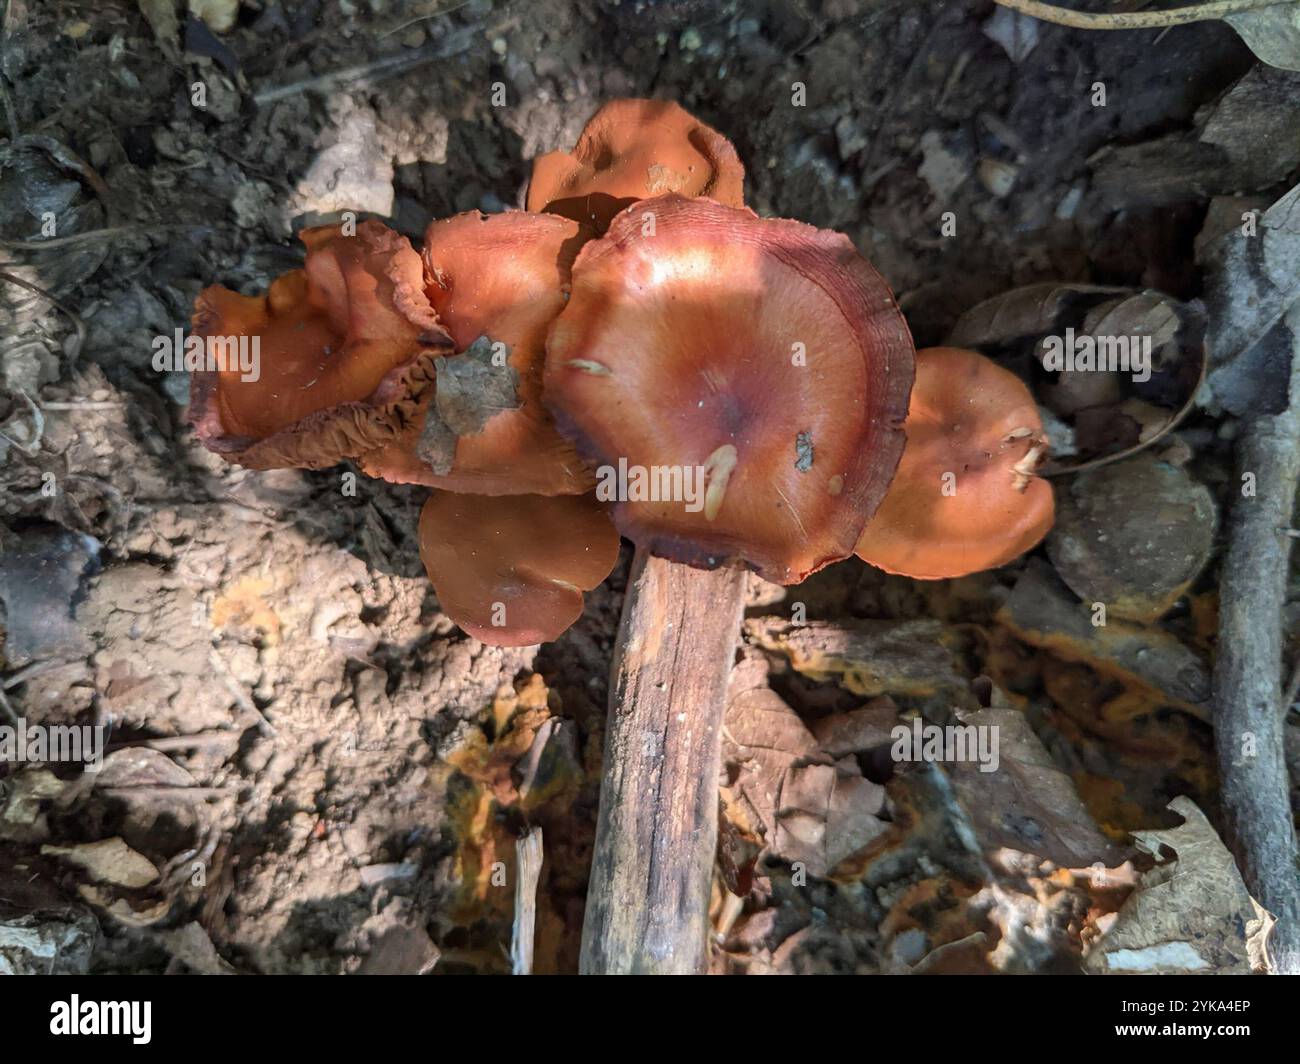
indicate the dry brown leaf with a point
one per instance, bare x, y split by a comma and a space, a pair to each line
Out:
108, 861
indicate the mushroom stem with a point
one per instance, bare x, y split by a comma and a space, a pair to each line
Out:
656, 839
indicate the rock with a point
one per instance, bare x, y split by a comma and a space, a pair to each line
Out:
850, 136
41, 572
997, 176
1133, 535
1017, 33
355, 173
944, 165
48, 943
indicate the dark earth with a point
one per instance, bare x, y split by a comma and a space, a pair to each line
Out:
352, 765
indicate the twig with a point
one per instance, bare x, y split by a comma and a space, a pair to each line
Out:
657, 831
1248, 714
1141, 445
71, 315
32, 445
1134, 20
1292, 689
6, 98
26, 673
237, 692
376, 70
149, 791
168, 743
421, 18
528, 869
9, 710
92, 234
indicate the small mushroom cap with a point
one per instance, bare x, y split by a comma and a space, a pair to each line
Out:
511, 569
496, 283
756, 370
344, 346
632, 150
966, 497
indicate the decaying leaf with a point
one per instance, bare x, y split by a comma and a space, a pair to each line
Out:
121, 910
1253, 280
1272, 33
807, 807
1190, 914
1023, 312
867, 657
47, 943
108, 861
21, 818
1042, 612
191, 946
1027, 803
1257, 125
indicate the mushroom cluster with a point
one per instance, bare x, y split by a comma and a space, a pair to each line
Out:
639, 354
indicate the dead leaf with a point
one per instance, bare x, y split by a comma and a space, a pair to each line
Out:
1028, 803
1257, 125
868, 658
1252, 282
858, 730
139, 766
1022, 312
806, 807
1190, 914
21, 818
122, 910
1272, 33
108, 861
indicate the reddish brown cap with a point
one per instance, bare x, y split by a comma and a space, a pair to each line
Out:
344, 348
966, 497
511, 570
631, 150
496, 283
762, 365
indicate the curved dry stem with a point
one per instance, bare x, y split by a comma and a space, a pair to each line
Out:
1133, 20
1174, 421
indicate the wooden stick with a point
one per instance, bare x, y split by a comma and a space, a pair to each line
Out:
1249, 712
648, 896
528, 869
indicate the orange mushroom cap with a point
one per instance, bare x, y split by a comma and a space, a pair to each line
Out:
966, 497
492, 280
345, 345
632, 150
511, 570
762, 360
